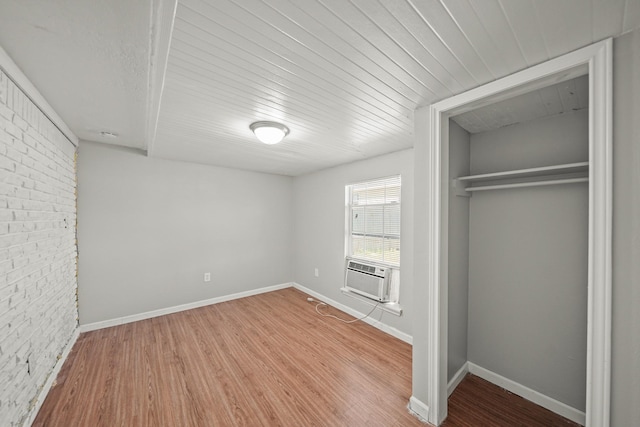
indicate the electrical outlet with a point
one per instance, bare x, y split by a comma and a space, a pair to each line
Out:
316, 272
207, 277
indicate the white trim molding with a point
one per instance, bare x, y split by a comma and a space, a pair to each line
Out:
163, 17
183, 307
600, 236
457, 378
375, 323
177, 308
432, 134
16, 75
419, 409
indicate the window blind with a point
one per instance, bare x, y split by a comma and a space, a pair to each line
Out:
375, 220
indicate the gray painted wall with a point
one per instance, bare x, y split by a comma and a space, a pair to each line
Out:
528, 261
625, 380
419, 385
148, 229
319, 236
458, 291
551, 141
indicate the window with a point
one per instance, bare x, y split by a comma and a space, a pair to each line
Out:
374, 224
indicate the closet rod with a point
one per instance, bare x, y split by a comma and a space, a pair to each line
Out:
527, 184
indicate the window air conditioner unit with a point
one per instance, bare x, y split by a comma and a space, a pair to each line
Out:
367, 279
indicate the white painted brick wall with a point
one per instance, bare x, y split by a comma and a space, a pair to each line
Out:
38, 286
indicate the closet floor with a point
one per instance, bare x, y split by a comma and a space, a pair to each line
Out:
477, 402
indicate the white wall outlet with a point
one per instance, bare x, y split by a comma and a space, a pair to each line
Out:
316, 272
207, 277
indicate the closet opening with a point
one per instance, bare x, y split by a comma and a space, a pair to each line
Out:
518, 239
518, 245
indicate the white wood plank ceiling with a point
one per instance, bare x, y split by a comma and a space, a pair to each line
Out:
344, 75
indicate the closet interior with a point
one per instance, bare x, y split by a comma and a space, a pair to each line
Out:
518, 244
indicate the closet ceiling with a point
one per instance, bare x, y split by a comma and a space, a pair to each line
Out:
560, 98
345, 76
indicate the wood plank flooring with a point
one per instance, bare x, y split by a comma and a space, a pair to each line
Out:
266, 360
476, 402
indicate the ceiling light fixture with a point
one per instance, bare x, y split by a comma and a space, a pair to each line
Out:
269, 132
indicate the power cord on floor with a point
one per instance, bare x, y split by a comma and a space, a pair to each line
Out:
319, 303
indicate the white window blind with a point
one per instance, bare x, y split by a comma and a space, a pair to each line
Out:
374, 229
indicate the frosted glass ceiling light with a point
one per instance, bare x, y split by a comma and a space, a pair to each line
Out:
269, 132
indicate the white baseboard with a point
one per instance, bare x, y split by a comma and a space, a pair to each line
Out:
375, 323
419, 409
529, 394
457, 378
52, 378
175, 309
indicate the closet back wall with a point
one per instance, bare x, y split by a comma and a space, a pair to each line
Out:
148, 230
528, 261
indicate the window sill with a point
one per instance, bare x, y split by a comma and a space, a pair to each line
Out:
389, 307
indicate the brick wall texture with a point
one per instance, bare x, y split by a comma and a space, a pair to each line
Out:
38, 256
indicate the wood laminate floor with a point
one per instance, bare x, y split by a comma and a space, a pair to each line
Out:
266, 360
476, 402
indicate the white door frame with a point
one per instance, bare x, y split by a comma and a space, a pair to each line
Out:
429, 398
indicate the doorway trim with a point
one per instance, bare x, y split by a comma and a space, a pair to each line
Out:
429, 397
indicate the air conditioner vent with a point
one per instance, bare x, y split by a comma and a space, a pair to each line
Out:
362, 267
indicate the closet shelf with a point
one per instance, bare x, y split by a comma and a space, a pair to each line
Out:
545, 175
528, 173
527, 184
